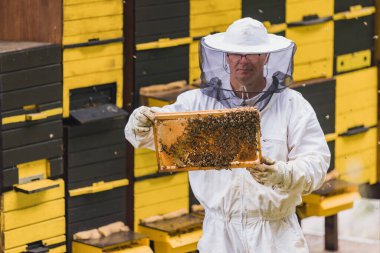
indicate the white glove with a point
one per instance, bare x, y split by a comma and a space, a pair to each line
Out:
142, 120
270, 173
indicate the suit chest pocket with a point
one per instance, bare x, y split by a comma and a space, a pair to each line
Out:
275, 148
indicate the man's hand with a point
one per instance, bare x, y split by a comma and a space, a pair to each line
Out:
142, 120
267, 173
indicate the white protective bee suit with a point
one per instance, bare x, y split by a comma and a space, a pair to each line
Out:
241, 214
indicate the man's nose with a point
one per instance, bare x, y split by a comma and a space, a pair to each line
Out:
243, 59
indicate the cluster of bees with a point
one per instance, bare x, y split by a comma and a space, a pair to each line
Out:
216, 140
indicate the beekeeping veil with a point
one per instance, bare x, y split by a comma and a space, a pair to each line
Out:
237, 49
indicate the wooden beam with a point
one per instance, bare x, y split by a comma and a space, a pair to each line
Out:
331, 232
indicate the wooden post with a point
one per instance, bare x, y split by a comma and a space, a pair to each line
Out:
331, 232
129, 80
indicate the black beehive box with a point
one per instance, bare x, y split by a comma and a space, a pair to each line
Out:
161, 19
31, 107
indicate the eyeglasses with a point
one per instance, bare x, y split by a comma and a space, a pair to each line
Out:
239, 57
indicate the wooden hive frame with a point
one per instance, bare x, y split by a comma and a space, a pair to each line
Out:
180, 145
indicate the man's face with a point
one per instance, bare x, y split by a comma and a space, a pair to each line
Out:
248, 68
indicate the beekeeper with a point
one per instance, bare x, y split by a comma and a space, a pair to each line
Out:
251, 210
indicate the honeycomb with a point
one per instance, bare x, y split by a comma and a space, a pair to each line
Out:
218, 139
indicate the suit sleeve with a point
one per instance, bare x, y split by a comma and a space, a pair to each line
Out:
309, 155
147, 140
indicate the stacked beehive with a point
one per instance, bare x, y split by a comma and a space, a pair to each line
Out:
340, 43
95, 164
332, 70
32, 192
162, 49
356, 91
345, 102
371, 190
167, 51
89, 35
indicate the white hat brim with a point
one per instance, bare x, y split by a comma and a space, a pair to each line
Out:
275, 43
